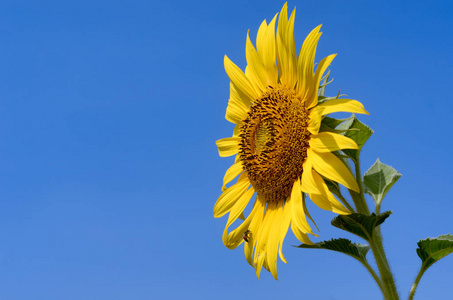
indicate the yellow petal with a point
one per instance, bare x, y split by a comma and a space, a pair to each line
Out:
236, 111
235, 237
343, 105
297, 210
230, 196
261, 242
331, 167
239, 79
228, 146
273, 239
306, 64
301, 236
257, 73
255, 224
315, 119
286, 48
236, 132
261, 38
238, 96
231, 173
308, 184
329, 142
326, 200
259, 262
235, 212
286, 218
323, 64
265, 45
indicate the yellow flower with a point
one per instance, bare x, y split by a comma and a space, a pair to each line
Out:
280, 153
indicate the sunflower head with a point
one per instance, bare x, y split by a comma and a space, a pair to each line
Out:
281, 155
274, 142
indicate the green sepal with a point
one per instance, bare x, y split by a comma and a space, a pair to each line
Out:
357, 251
378, 180
431, 250
333, 187
322, 87
360, 134
331, 123
360, 224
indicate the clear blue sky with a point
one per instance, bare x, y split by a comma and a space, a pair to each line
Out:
109, 111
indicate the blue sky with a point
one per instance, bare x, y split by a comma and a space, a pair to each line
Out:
109, 111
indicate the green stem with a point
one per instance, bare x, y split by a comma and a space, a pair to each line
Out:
388, 282
417, 280
359, 198
384, 268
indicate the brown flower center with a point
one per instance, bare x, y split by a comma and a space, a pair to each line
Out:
274, 142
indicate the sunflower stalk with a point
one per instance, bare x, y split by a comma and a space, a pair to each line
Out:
389, 288
388, 281
359, 198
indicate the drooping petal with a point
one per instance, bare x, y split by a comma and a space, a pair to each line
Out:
300, 235
308, 184
286, 219
298, 218
231, 173
228, 146
235, 237
261, 242
235, 212
230, 196
254, 226
331, 167
326, 200
275, 219
329, 142
239, 79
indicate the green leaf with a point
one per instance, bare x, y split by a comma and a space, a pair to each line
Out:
431, 250
360, 224
379, 179
357, 251
357, 131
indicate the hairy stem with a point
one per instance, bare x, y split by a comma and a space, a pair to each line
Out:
417, 280
388, 282
359, 198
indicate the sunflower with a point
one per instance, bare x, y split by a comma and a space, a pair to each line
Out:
281, 155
